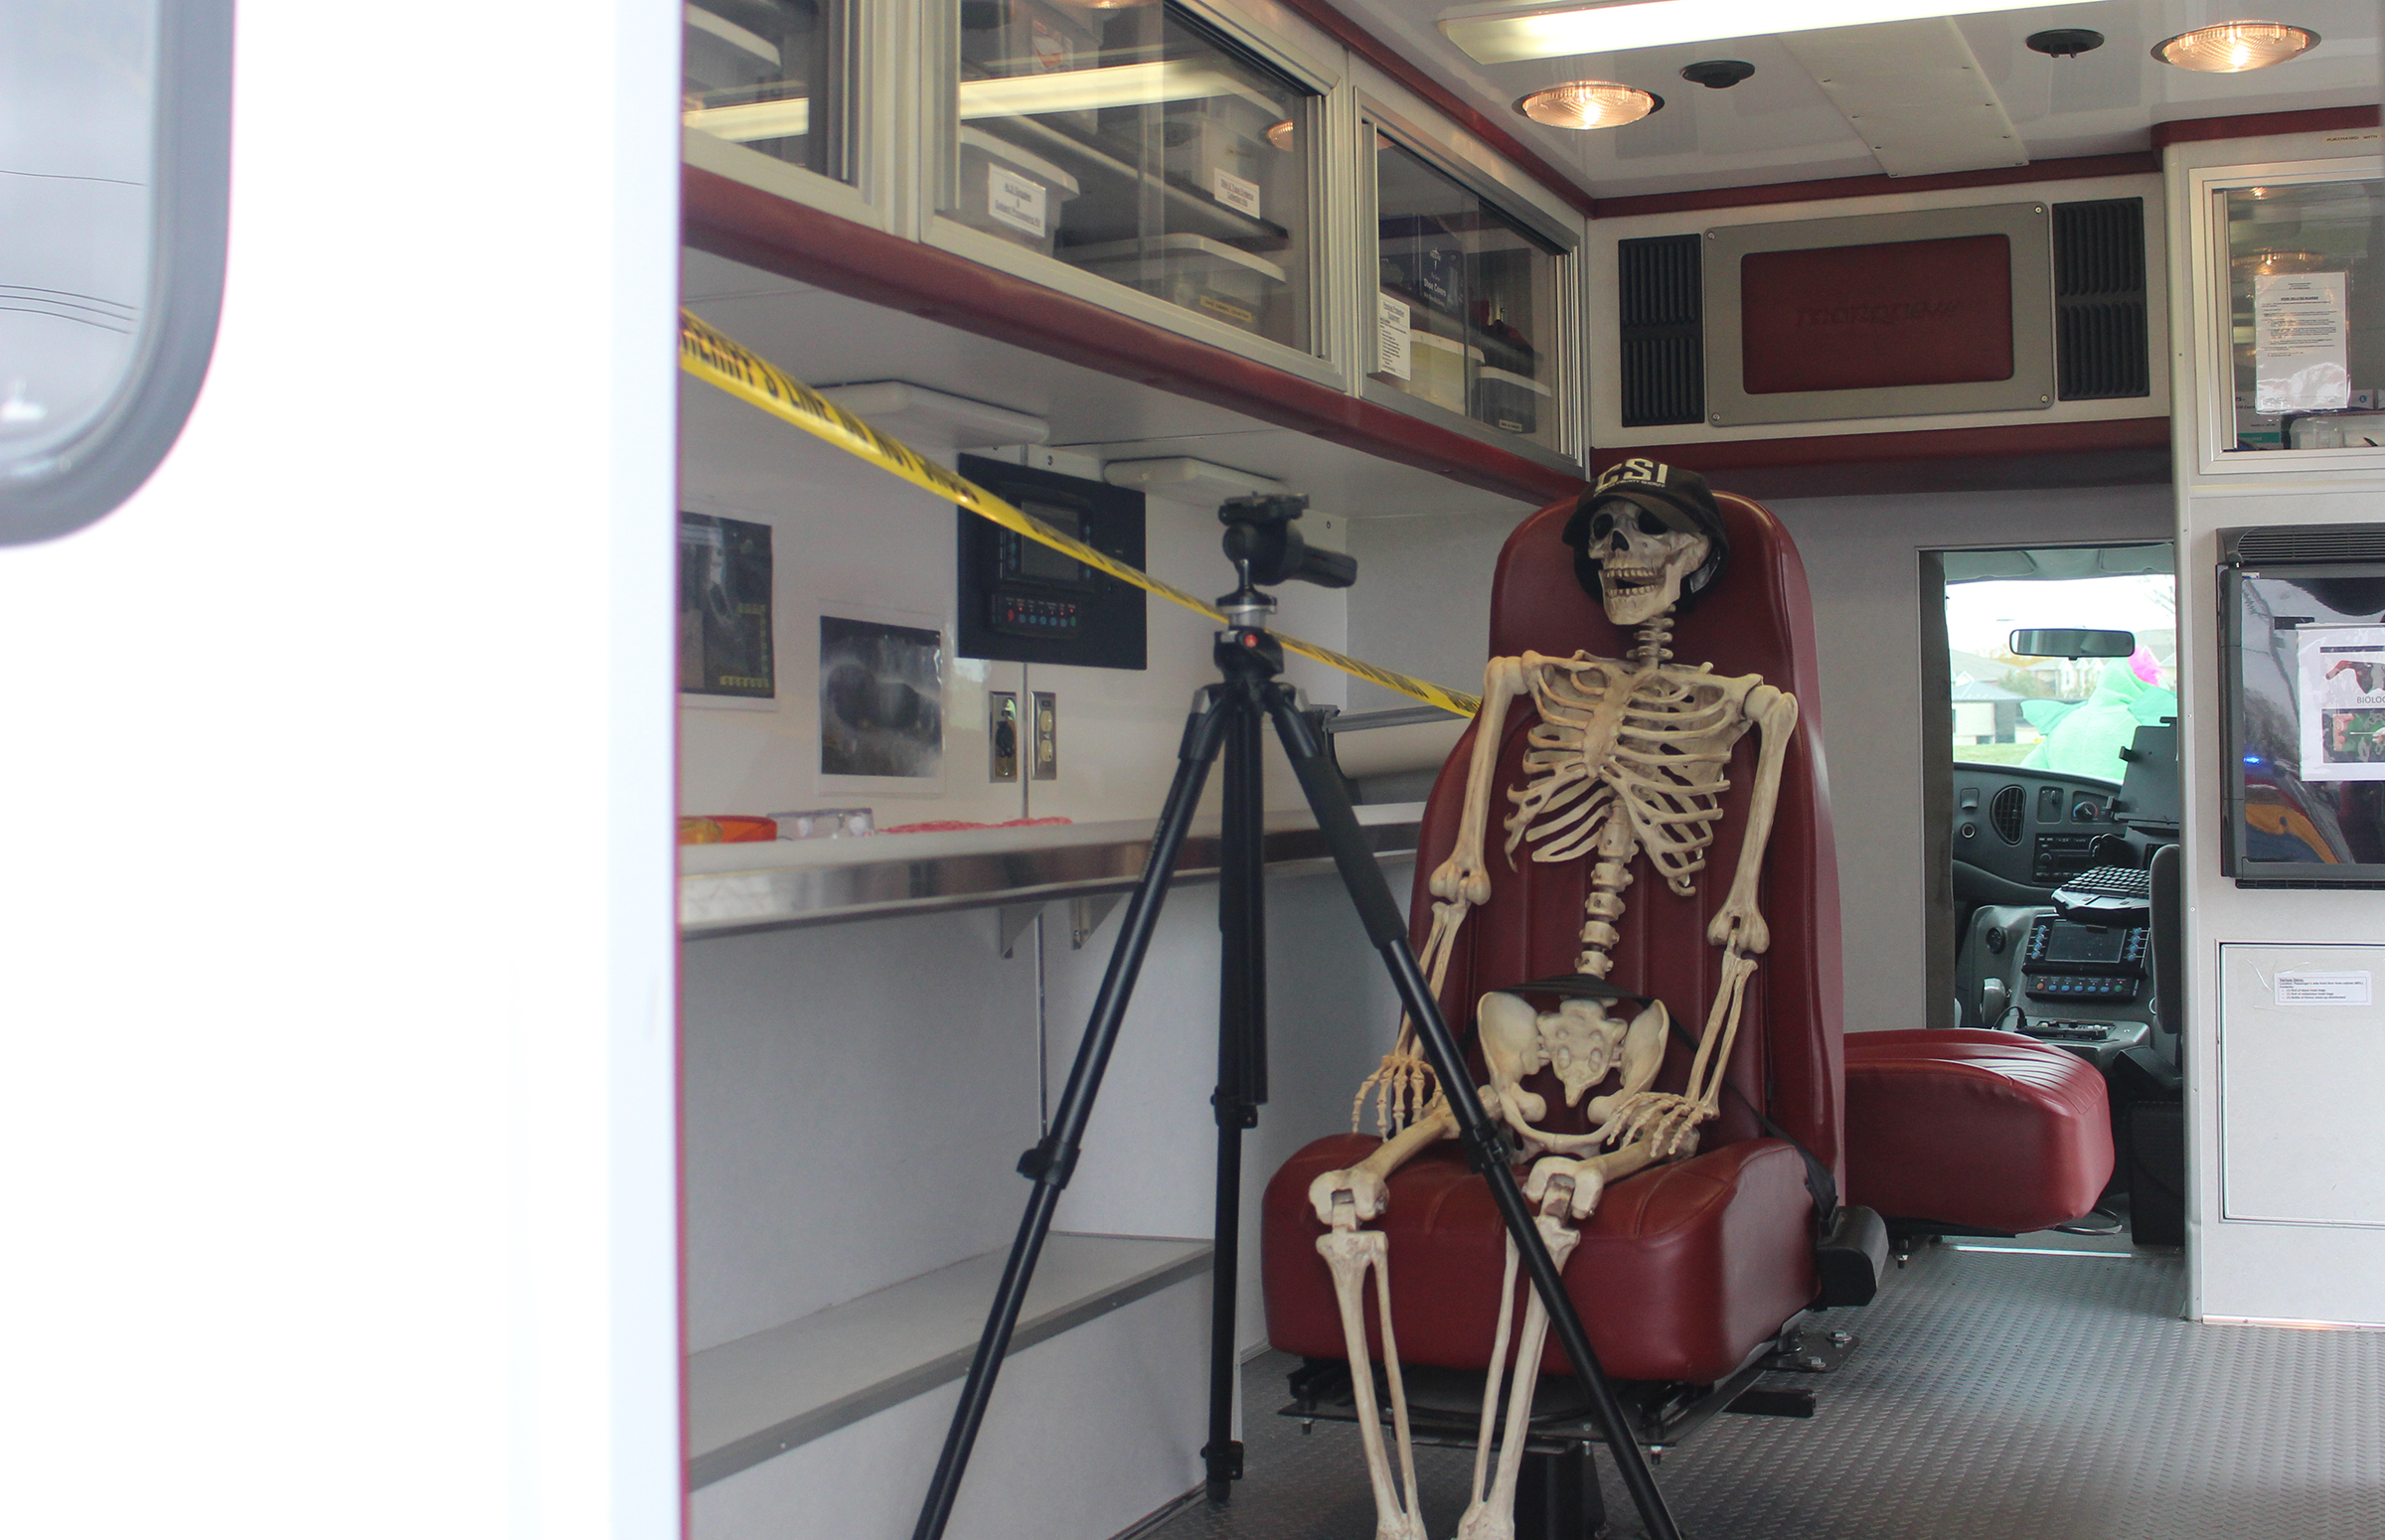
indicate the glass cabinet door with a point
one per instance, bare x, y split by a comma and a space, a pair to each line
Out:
773, 76
1466, 313
1137, 144
2307, 315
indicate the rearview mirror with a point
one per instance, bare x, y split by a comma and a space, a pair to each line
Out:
2073, 644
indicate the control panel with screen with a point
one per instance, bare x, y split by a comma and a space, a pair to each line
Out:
2065, 960
1022, 601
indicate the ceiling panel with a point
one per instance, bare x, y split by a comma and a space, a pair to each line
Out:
1781, 126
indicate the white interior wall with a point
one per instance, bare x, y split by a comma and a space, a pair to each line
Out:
851, 540
1423, 605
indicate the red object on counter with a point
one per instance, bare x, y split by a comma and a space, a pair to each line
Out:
727, 829
946, 826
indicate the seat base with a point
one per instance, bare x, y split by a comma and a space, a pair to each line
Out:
1972, 1130
1683, 1272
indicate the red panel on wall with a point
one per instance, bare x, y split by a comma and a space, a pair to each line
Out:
1896, 313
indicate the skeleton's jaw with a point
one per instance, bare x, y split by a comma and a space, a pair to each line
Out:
1635, 596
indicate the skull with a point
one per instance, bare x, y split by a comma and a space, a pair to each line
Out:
1642, 560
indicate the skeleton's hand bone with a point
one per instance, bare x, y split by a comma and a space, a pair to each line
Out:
1659, 1117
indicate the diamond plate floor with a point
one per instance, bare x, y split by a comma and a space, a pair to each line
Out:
2000, 1394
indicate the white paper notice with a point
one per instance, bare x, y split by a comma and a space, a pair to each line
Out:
2298, 362
1235, 193
2313, 987
2341, 702
1391, 319
1015, 201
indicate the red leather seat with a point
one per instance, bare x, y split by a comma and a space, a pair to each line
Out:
1686, 1269
1981, 1130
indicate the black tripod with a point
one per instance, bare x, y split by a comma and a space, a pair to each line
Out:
1265, 550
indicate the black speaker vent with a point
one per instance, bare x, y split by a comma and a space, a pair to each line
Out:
2100, 299
1660, 306
2303, 543
2005, 813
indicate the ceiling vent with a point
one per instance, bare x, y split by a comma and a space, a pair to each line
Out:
2005, 813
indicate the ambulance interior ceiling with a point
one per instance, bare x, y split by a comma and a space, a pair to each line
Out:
1781, 124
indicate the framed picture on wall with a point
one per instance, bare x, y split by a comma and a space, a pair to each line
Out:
881, 703
726, 655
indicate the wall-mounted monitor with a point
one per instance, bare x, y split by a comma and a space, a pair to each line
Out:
2302, 687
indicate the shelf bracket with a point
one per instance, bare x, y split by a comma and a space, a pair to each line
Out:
1010, 922
1085, 916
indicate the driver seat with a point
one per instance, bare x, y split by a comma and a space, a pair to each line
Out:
1687, 1271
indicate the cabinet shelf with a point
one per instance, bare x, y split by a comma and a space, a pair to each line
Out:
731, 889
762, 1395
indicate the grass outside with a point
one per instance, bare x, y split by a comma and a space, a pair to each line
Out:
1992, 753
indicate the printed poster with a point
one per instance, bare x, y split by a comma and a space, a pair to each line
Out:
724, 609
2299, 338
2343, 703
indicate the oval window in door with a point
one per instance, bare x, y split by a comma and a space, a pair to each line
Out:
114, 129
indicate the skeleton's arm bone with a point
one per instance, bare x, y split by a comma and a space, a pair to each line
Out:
1368, 1183
1774, 713
1463, 875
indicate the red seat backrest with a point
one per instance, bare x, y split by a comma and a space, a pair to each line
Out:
1757, 620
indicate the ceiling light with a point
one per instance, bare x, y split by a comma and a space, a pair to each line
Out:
1589, 104
2233, 47
1506, 34
1281, 135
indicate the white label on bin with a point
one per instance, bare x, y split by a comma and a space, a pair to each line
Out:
1015, 201
1391, 319
1236, 193
2331, 986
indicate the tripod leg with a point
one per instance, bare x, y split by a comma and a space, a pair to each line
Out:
1486, 1149
1051, 1164
1241, 1060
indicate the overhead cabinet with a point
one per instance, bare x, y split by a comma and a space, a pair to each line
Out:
1181, 164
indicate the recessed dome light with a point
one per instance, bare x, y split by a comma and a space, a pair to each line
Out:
2232, 47
1589, 104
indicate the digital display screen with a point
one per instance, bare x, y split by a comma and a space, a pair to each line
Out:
1896, 314
2306, 703
1040, 561
2067, 943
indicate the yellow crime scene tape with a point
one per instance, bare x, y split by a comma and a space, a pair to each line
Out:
717, 360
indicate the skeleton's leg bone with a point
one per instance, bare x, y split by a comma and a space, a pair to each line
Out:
1497, 1377
1492, 1515
1351, 1253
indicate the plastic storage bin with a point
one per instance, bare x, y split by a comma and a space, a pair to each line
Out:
1202, 276
2337, 430
1509, 402
1437, 368
1007, 192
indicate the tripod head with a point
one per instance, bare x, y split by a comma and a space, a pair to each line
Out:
1265, 550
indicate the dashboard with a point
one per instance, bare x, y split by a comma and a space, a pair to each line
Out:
2019, 834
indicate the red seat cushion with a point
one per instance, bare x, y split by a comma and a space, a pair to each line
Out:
1990, 1131
1682, 1272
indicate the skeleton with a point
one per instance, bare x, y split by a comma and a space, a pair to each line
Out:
1627, 760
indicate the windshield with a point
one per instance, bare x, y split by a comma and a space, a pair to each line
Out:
2059, 714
